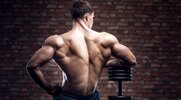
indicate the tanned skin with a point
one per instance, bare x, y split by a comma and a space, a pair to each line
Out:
82, 54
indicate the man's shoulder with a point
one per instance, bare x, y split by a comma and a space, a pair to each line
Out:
108, 38
54, 41
106, 34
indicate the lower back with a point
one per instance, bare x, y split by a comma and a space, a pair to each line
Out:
80, 88
80, 78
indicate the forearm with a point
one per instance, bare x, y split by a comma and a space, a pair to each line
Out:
37, 75
39, 59
113, 63
119, 63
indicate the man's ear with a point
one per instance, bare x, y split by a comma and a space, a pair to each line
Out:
86, 16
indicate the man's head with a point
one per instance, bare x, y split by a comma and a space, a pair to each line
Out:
83, 10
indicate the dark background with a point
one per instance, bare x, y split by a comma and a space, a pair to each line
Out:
150, 28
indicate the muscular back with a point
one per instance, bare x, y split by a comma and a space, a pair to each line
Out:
82, 58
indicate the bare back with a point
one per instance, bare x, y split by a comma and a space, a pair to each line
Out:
82, 59
81, 56
81, 53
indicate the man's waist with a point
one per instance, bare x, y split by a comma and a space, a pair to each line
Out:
80, 97
79, 88
78, 91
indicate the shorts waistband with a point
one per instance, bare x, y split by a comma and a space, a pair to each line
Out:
80, 97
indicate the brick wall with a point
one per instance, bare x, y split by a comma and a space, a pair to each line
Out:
151, 28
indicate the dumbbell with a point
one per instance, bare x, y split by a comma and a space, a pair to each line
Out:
120, 74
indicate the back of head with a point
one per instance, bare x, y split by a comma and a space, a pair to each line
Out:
80, 8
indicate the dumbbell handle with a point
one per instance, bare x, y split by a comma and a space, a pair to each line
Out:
120, 88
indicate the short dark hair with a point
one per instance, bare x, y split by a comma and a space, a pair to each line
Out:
80, 8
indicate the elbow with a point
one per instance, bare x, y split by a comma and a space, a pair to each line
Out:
30, 66
133, 62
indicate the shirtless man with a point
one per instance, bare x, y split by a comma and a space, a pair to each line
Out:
82, 53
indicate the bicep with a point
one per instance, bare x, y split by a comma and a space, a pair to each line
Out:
42, 56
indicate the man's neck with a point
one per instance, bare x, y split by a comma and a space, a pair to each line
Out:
80, 25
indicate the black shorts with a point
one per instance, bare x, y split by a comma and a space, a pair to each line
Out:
69, 96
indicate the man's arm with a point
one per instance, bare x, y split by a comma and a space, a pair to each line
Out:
123, 55
41, 57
